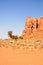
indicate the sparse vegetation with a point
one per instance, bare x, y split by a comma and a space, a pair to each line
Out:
19, 42
12, 36
20, 37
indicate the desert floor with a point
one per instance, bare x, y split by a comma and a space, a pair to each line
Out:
21, 56
28, 52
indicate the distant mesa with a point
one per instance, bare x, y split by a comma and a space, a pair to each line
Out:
33, 28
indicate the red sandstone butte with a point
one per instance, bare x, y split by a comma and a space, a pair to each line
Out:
33, 28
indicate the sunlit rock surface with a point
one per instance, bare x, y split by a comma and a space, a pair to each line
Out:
33, 28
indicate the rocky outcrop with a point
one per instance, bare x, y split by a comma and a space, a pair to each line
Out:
32, 26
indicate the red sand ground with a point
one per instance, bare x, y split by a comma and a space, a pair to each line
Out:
10, 56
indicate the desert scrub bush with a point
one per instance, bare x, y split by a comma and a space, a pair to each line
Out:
38, 44
20, 37
18, 42
0, 42
12, 43
23, 44
41, 44
4, 43
15, 37
12, 36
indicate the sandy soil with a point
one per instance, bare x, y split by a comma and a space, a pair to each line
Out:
11, 56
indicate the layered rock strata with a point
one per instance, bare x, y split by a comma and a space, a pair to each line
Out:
33, 28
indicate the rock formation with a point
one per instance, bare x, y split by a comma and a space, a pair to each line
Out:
33, 27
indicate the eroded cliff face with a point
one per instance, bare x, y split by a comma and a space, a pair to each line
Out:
33, 28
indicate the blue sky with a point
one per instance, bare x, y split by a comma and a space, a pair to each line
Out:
13, 14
